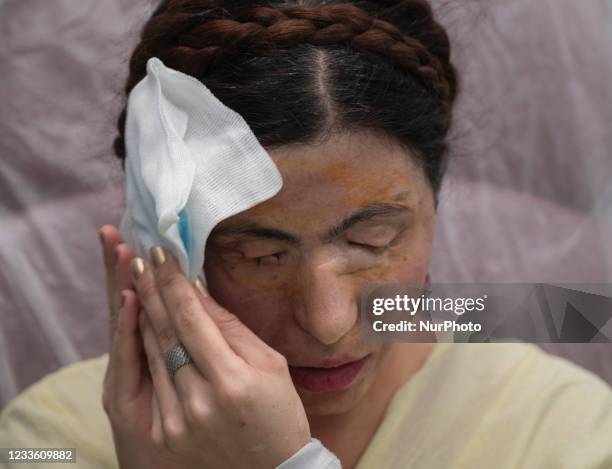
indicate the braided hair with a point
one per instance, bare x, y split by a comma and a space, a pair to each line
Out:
300, 71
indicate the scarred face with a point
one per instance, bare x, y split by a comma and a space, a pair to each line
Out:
356, 209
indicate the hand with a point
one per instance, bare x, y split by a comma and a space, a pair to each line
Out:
236, 405
128, 398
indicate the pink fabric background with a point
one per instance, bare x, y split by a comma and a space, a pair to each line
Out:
528, 198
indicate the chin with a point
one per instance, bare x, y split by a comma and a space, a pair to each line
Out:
339, 401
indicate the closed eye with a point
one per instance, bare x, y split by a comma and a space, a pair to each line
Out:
272, 259
369, 247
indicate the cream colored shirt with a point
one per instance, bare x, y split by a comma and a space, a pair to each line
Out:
471, 406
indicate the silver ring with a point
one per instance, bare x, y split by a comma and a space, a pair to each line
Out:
177, 357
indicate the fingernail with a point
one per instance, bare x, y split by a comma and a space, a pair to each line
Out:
101, 236
200, 286
123, 296
157, 253
137, 266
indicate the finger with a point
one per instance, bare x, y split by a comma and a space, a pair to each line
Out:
109, 238
187, 379
157, 434
210, 351
114, 253
121, 279
126, 350
242, 340
171, 411
191, 385
143, 279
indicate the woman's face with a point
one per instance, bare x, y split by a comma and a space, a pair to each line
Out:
352, 211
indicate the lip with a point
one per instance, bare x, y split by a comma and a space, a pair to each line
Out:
330, 375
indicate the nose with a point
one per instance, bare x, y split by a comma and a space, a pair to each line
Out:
328, 308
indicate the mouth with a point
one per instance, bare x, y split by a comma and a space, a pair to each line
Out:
332, 375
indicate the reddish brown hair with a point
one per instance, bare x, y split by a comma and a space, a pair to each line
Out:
298, 71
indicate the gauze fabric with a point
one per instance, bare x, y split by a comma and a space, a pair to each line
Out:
191, 163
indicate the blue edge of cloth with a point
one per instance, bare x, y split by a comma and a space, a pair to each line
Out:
184, 230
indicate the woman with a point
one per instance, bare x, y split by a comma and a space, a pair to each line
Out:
353, 102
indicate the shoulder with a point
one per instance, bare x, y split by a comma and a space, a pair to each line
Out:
63, 409
548, 407
524, 377
509, 402
525, 369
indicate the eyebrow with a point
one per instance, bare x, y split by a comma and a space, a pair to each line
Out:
372, 211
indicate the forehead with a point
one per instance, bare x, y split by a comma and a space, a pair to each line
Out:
322, 182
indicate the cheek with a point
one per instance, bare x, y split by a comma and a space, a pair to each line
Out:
260, 307
399, 266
